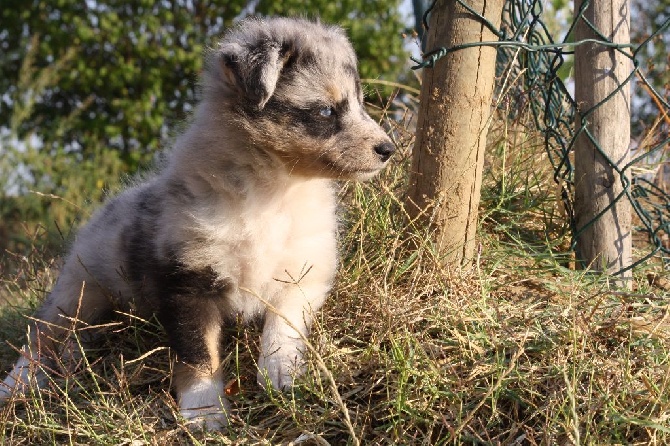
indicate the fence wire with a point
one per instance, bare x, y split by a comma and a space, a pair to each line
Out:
526, 39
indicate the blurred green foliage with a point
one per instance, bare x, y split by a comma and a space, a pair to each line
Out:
647, 16
374, 27
90, 89
136, 66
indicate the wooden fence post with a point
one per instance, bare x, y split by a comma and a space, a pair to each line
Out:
603, 244
448, 158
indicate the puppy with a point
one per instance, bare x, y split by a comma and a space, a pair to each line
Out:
239, 219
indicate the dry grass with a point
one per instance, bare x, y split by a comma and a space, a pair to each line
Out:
516, 349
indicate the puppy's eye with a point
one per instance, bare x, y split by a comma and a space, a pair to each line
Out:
326, 112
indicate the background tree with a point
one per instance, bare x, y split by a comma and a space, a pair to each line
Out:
604, 237
454, 116
136, 66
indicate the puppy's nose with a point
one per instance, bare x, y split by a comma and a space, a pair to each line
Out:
385, 150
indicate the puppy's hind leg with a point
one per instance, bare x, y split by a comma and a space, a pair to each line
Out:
26, 372
71, 305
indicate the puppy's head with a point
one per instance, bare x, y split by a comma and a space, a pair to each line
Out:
293, 86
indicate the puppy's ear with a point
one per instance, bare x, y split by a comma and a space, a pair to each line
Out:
252, 72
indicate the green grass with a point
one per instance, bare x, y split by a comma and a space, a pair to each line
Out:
515, 349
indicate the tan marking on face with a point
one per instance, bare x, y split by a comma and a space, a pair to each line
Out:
334, 93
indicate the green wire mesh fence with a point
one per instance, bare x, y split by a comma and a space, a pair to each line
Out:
526, 39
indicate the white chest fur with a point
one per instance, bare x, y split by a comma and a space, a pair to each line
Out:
268, 241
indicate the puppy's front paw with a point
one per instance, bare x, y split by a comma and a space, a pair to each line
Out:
280, 368
207, 418
202, 404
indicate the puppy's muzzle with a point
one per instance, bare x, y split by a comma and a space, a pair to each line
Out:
385, 150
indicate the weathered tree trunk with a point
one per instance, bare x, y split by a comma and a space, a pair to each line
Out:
448, 158
603, 244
